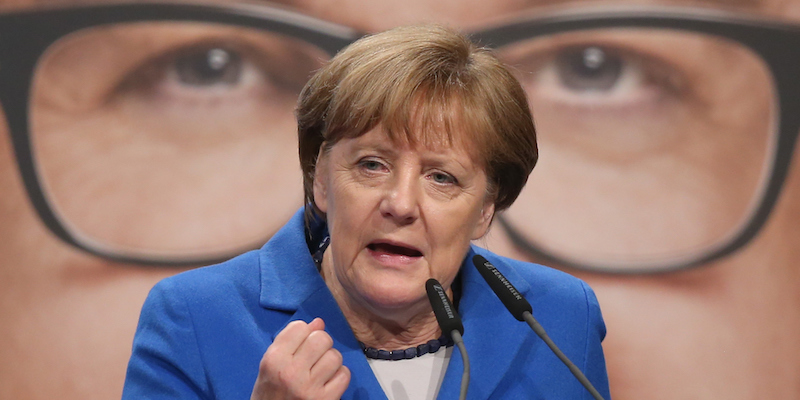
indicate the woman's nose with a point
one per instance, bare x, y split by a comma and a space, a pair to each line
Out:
401, 201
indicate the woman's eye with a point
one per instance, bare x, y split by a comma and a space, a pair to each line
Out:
208, 66
371, 165
589, 68
442, 178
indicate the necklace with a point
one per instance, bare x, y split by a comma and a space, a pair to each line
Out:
431, 347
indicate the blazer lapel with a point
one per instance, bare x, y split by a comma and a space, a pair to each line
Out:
290, 282
363, 383
493, 338
288, 273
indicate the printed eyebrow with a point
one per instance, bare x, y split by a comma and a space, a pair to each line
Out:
294, 5
733, 5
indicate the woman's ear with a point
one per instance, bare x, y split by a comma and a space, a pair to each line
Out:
321, 181
485, 220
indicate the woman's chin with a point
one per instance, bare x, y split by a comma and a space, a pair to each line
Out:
394, 298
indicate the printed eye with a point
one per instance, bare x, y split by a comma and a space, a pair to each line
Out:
579, 71
599, 75
591, 69
207, 67
171, 69
215, 71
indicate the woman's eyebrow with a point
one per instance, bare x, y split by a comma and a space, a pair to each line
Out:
380, 146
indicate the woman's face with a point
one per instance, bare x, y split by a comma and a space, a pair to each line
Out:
398, 215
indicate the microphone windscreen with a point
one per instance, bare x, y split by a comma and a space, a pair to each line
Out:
508, 294
444, 311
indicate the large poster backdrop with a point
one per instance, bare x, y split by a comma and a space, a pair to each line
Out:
140, 141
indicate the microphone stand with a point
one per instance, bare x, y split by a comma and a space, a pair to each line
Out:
561, 356
465, 375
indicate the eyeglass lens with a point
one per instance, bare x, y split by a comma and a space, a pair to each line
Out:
171, 138
655, 144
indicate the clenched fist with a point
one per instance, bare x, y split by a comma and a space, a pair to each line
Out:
301, 364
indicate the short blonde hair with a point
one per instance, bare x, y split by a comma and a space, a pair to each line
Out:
420, 82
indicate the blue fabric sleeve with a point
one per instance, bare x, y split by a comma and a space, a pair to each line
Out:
166, 362
594, 364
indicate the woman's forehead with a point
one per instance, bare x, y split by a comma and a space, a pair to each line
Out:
436, 138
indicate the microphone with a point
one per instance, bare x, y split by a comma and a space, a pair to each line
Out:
508, 294
451, 325
522, 311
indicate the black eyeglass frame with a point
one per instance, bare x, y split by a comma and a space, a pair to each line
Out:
25, 36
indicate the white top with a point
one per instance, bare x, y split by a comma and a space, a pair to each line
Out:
418, 378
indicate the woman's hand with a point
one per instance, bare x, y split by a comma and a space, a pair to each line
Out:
301, 364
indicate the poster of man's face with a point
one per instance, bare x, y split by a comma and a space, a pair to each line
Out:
142, 139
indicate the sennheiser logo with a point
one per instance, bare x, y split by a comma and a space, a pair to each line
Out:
503, 280
445, 300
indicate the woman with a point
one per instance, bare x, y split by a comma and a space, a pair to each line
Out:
410, 141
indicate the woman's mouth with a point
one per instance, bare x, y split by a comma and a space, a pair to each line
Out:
396, 251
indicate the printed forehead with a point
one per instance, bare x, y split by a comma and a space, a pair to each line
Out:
465, 13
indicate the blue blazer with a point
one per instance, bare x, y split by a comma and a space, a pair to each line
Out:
202, 333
